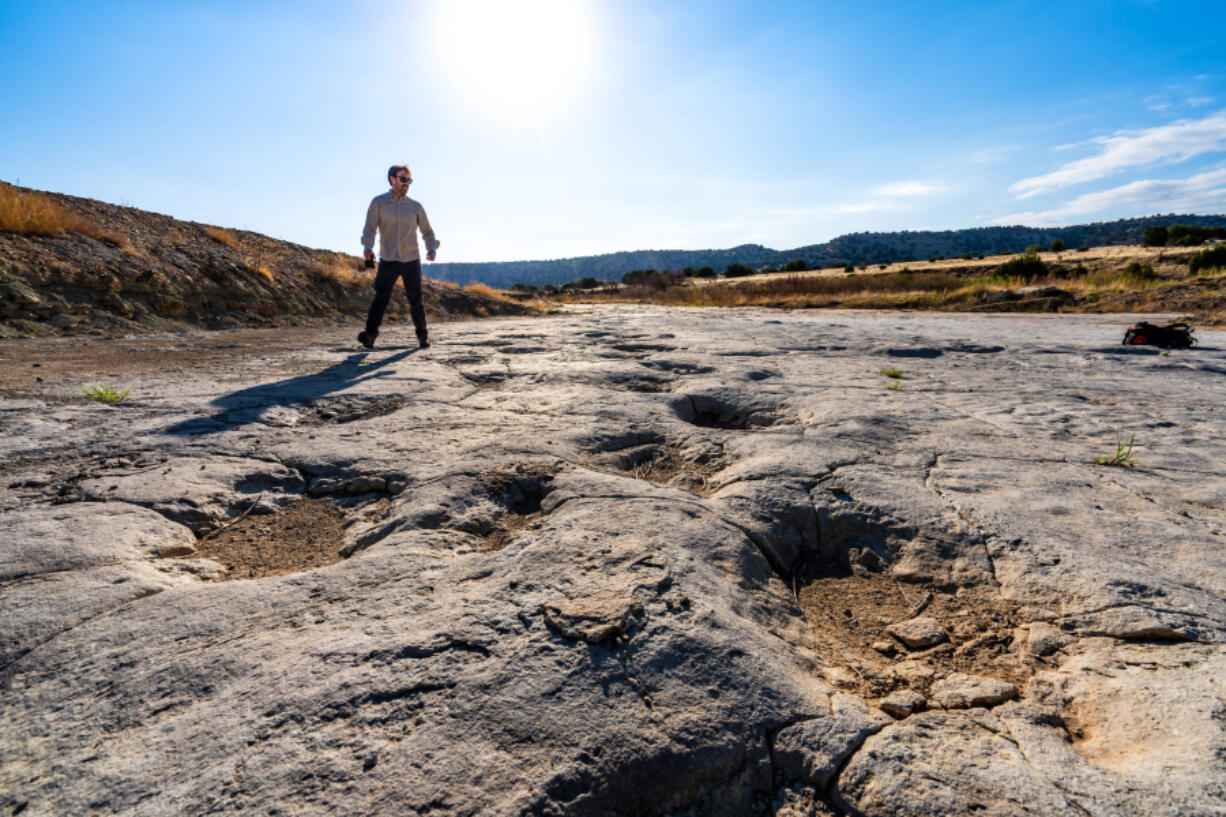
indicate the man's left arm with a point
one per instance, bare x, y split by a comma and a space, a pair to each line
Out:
427, 233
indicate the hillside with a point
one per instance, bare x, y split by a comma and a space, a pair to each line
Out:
853, 248
71, 265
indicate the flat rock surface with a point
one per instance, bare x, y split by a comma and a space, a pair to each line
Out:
622, 560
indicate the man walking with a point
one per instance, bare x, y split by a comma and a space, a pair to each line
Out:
397, 218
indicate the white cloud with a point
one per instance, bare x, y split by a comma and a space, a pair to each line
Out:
1204, 192
1174, 142
988, 155
1199, 101
907, 189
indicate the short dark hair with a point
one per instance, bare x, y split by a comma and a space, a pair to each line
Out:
394, 169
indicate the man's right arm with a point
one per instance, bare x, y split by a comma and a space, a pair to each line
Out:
368, 231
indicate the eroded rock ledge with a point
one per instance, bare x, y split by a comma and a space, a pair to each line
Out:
625, 561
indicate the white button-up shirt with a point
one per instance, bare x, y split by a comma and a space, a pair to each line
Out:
397, 220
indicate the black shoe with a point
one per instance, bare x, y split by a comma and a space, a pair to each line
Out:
423, 340
366, 340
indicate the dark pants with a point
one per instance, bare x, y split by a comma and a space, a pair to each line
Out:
385, 280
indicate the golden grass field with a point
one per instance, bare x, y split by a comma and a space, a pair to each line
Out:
1108, 279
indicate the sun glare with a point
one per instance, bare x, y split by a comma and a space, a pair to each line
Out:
517, 62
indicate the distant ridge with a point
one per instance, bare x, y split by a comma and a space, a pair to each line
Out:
852, 248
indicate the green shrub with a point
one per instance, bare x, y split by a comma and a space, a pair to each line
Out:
1033, 249
1027, 267
1057, 245
737, 271
795, 265
705, 272
1083, 248
1140, 272
1213, 258
849, 268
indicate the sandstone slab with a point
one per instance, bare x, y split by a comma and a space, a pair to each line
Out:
571, 566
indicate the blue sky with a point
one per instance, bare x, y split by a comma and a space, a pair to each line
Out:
576, 127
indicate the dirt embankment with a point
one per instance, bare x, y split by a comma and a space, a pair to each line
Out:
150, 272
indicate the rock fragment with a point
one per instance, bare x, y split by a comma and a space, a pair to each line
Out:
903, 702
962, 691
918, 633
593, 619
1044, 639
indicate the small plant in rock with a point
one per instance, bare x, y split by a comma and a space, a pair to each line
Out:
891, 372
1122, 458
103, 394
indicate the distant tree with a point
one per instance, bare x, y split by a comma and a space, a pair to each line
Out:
705, 272
966, 256
527, 289
882, 266
1057, 245
795, 265
551, 289
1083, 248
849, 268
1154, 236
1034, 249
932, 259
589, 283
834, 265
768, 269
634, 277
737, 271
688, 272
1189, 235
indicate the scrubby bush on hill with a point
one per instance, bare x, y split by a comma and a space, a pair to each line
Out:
705, 272
1214, 258
1026, 267
1057, 245
737, 271
1140, 272
795, 265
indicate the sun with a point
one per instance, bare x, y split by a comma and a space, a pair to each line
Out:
517, 61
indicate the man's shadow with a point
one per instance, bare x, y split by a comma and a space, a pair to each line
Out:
248, 405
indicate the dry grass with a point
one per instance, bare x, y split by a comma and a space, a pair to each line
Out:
930, 288
346, 270
264, 273
32, 213
487, 292
222, 236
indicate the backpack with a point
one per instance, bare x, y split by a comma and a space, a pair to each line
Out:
1177, 335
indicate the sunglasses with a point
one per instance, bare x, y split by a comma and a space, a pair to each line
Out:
404, 179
